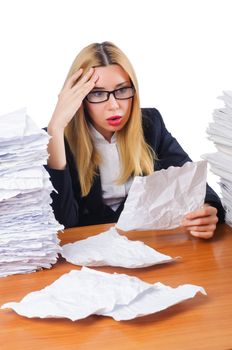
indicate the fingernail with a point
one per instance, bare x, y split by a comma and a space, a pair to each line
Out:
194, 233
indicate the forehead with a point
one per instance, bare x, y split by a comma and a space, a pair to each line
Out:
111, 75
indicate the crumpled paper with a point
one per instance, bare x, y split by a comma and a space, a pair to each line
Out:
162, 199
78, 294
112, 249
159, 297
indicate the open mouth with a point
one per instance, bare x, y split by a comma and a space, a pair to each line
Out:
115, 120
114, 117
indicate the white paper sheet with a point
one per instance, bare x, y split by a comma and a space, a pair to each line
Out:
78, 294
112, 249
159, 297
17, 125
160, 200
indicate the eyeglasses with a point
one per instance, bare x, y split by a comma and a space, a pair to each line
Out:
99, 96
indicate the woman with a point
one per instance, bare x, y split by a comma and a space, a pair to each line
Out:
101, 139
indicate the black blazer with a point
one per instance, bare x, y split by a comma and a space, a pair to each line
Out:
71, 209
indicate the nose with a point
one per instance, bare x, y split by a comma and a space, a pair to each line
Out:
113, 102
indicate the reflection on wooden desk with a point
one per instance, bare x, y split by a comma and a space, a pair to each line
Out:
199, 323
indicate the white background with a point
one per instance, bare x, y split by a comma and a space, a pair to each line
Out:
180, 49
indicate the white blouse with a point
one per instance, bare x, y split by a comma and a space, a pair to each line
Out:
109, 168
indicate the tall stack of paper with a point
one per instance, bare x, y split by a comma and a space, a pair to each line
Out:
220, 132
28, 229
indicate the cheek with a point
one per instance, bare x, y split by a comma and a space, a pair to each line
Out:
94, 112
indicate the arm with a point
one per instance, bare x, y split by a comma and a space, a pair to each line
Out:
61, 169
69, 101
66, 197
201, 223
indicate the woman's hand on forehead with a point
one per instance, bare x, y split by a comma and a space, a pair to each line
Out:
72, 95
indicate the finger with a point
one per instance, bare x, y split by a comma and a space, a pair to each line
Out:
204, 228
86, 77
95, 78
82, 92
88, 85
205, 211
71, 81
205, 235
200, 221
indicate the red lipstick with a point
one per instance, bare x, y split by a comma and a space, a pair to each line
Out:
114, 120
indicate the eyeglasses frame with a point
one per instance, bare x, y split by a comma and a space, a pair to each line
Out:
113, 92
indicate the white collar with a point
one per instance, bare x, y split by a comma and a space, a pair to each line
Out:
98, 138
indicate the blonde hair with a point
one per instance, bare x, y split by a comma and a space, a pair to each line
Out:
137, 157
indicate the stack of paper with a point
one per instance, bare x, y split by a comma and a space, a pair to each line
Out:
119, 296
28, 229
220, 132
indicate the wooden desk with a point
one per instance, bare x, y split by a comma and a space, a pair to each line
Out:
204, 322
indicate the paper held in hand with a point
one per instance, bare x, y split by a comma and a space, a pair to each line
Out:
160, 200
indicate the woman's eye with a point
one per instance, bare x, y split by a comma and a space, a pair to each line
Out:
123, 90
98, 93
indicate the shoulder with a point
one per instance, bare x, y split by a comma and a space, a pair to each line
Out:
152, 122
151, 118
150, 114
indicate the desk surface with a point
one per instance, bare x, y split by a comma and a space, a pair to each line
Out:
203, 322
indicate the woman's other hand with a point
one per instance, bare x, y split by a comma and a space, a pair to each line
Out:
202, 222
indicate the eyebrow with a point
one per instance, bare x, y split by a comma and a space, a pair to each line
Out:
116, 87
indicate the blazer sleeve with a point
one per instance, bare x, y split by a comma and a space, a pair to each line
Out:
170, 153
65, 202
